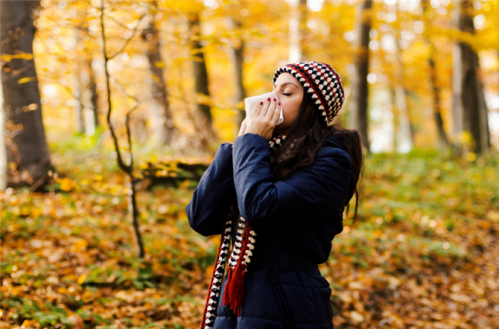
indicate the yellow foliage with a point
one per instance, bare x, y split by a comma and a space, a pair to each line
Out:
471, 156
82, 278
493, 215
80, 244
98, 178
24, 80
160, 64
67, 184
32, 107
8, 57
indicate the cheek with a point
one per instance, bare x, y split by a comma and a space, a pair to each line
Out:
290, 108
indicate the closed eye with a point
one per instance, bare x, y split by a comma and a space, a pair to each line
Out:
286, 94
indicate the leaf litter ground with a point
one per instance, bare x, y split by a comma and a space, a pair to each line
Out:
423, 253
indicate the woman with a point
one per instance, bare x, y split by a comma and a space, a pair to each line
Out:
280, 192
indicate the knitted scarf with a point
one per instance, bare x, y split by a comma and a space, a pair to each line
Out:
239, 261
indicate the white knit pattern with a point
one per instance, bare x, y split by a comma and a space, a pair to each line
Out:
238, 244
217, 279
251, 246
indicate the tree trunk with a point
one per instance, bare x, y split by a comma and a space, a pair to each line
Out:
91, 109
164, 125
93, 90
241, 92
78, 106
90, 86
127, 165
303, 31
406, 127
483, 114
27, 152
470, 112
3, 154
396, 118
443, 141
297, 30
199, 67
238, 61
360, 90
457, 105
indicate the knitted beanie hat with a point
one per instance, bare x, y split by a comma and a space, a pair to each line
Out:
322, 82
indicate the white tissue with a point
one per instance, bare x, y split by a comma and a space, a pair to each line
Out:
251, 103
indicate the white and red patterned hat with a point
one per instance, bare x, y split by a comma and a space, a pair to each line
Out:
322, 82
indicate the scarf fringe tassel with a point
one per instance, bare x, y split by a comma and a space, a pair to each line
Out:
234, 288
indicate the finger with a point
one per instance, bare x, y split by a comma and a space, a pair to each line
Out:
277, 113
258, 109
243, 127
265, 107
272, 108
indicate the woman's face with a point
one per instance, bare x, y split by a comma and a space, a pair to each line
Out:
290, 94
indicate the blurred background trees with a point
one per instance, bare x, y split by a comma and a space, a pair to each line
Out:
416, 73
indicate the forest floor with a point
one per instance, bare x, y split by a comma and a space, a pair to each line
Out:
423, 253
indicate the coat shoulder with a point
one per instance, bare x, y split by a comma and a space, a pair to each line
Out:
333, 148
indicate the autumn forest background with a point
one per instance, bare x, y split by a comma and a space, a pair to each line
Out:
112, 111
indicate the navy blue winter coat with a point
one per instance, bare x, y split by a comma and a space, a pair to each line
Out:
299, 215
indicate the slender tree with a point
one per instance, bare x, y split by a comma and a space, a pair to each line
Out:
470, 111
165, 127
303, 31
396, 118
297, 30
389, 70
359, 119
294, 37
78, 106
3, 154
437, 113
87, 78
443, 141
237, 60
199, 66
483, 113
127, 168
91, 88
401, 94
28, 156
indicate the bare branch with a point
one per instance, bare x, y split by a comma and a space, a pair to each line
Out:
128, 169
17, 72
119, 158
127, 41
129, 133
120, 87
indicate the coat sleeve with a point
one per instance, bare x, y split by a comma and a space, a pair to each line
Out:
214, 195
308, 194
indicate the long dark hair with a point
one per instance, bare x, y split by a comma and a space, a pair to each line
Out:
306, 137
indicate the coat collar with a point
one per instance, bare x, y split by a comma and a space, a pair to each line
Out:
332, 141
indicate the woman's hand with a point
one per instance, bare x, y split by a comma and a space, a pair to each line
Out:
264, 120
242, 130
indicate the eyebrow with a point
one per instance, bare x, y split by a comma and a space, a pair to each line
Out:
287, 83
